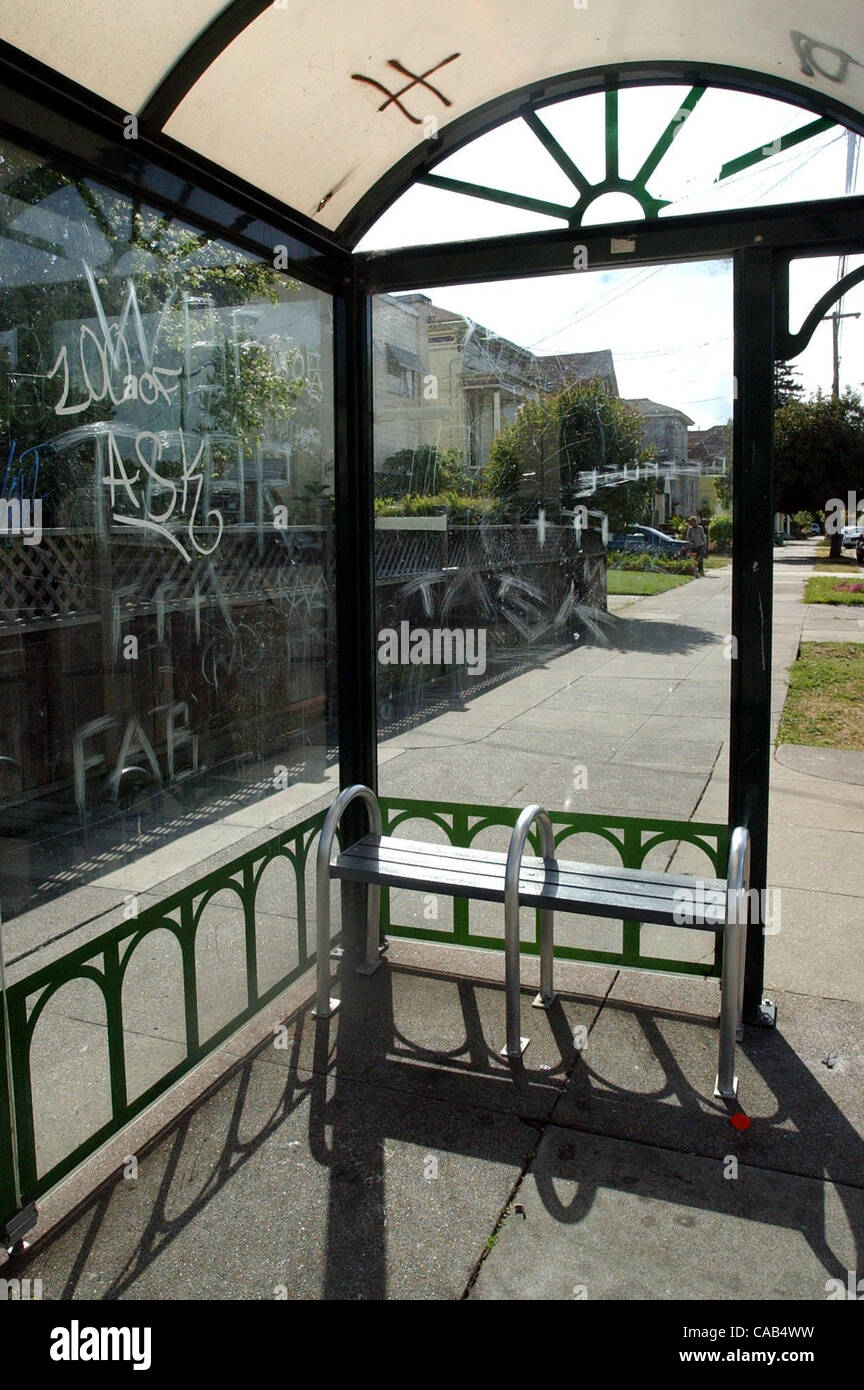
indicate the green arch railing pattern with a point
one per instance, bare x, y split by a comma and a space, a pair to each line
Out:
105, 961
613, 181
633, 839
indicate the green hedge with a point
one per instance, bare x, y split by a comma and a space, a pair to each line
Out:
720, 532
460, 508
644, 560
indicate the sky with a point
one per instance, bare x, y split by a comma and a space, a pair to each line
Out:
669, 327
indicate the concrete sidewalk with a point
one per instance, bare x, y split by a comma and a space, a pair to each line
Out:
816, 836
391, 1154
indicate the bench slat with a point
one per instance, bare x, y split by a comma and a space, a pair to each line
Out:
419, 852
571, 887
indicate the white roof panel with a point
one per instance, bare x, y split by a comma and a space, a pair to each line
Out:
119, 49
291, 103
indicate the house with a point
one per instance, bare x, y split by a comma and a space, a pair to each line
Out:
559, 369
664, 428
451, 383
710, 452
400, 362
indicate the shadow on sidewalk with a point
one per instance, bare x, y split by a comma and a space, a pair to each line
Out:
365, 1083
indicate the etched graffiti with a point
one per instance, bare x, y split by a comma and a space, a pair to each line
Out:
817, 56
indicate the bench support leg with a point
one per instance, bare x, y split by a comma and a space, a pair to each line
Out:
374, 949
734, 953
726, 1086
515, 1044
325, 1007
546, 998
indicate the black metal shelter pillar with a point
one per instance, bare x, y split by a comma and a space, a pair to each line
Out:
752, 566
355, 542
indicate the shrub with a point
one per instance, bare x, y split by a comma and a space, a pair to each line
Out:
463, 510
720, 532
645, 560
502, 475
423, 472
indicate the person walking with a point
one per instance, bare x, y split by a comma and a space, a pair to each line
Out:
698, 543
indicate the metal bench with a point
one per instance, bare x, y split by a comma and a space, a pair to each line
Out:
547, 883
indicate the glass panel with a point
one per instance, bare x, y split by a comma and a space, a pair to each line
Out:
167, 615
544, 631
818, 652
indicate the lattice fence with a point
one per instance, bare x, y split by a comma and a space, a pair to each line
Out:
51, 580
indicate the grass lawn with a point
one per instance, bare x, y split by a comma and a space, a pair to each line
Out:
717, 562
643, 582
829, 589
844, 566
825, 703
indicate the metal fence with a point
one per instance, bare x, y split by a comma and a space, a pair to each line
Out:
632, 840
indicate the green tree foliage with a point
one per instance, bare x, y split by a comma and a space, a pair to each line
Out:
248, 383
598, 431
720, 531
423, 472
537, 459
252, 387
723, 483
787, 384
819, 454
524, 454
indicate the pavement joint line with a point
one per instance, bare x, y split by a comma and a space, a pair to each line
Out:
503, 1216
708, 780
822, 1179
540, 1124
132, 1032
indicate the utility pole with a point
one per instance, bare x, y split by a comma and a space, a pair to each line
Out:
834, 320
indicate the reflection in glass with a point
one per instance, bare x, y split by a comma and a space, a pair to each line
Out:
166, 588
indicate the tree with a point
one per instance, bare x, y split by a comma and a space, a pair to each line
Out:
425, 472
787, 384
723, 481
239, 390
549, 454
819, 456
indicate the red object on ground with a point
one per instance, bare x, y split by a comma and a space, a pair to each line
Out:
739, 1121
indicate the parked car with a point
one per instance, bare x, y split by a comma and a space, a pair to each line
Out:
850, 536
647, 538
815, 528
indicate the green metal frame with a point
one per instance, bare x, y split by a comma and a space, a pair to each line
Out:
9, 1195
613, 182
632, 838
106, 959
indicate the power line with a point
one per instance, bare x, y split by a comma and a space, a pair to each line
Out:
670, 351
614, 293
